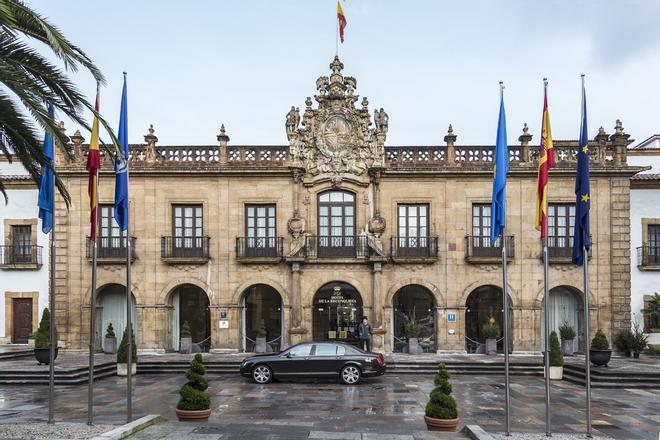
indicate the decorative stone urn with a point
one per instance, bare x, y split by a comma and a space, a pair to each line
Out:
567, 347
600, 357
122, 369
491, 346
261, 346
109, 345
413, 346
185, 345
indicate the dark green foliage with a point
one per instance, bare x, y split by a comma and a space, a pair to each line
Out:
193, 395
639, 340
566, 332
42, 335
261, 331
556, 358
623, 340
599, 342
122, 352
413, 329
491, 330
442, 405
185, 330
110, 332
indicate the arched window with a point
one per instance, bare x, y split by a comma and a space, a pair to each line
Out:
483, 303
337, 313
413, 307
262, 307
191, 304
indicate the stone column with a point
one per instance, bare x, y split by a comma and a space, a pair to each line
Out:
450, 139
525, 139
223, 139
376, 300
296, 309
619, 143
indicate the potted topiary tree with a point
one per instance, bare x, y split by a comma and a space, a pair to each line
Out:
556, 358
261, 345
441, 413
491, 331
122, 355
41, 338
413, 331
185, 341
623, 341
638, 341
110, 340
567, 334
195, 403
600, 352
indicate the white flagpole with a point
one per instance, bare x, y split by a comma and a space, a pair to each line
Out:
546, 323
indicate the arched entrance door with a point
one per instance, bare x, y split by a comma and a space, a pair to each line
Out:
483, 303
337, 313
191, 304
111, 308
262, 304
565, 307
413, 306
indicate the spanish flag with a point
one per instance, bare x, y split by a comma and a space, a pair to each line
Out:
341, 18
93, 165
546, 161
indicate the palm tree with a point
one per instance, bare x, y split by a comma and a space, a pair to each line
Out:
28, 80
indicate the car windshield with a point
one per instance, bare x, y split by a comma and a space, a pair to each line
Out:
300, 350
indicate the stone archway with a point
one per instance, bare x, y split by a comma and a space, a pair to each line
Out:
566, 306
416, 304
262, 308
190, 304
482, 303
111, 309
337, 311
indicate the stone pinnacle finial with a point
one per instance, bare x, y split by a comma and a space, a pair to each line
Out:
150, 138
63, 130
601, 130
336, 66
618, 127
525, 128
222, 137
450, 130
77, 138
450, 137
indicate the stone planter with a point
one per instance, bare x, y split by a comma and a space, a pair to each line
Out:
261, 346
413, 346
600, 357
109, 345
30, 342
200, 415
42, 355
567, 347
185, 345
491, 346
441, 424
556, 373
122, 369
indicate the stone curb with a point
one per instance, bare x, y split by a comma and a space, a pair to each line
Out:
476, 432
130, 428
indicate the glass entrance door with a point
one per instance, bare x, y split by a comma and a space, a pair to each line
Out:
337, 313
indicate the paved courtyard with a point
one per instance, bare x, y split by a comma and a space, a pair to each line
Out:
324, 409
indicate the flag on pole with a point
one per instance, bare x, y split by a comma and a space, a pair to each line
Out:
581, 235
93, 166
47, 183
341, 18
546, 161
498, 206
121, 166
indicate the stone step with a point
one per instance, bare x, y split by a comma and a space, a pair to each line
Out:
15, 354
62, 377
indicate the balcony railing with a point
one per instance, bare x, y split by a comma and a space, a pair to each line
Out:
560, 249
478, 248
185, 249
408, 248
259, 248
648, 256
347, 246
20, 257
110, 249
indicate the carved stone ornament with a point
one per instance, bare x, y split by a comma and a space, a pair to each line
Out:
335, 139
377, 225
296, 225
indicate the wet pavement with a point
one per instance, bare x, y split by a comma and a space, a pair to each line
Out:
392, 405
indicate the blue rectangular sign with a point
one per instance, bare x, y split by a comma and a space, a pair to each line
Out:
451, 317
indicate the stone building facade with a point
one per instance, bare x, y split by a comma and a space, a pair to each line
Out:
296, 242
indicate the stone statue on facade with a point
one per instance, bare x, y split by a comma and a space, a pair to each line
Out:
381, 119
292, 120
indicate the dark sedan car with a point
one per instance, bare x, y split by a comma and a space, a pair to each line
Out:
322, 359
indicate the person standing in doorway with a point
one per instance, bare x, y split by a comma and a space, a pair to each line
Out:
364, 334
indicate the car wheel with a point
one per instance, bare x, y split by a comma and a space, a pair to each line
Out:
350, 375
262, 374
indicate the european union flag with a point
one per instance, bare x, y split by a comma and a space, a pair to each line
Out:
121, 166
581, 236
47, 183
498, 206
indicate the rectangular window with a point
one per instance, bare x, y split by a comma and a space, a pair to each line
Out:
260, 226
21, 241
654, 244
561, 222
110, 236
481, 221
187, 226
413, 226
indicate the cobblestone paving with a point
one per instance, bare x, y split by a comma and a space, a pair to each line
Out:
392, 405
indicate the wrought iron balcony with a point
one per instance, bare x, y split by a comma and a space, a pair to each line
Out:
337, 247
20, 257
478, 249
560, 250
110, 250
259, 249
414, 248
648, 257
194, 250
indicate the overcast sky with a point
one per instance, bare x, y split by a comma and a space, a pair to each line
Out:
193, 65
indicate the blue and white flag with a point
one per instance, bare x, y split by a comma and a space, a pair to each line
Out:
47, 183
121, 167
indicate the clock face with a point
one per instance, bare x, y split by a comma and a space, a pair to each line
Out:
336, 134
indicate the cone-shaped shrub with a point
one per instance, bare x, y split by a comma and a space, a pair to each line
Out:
110, 332
599, 342
185, 330
193, 395
556, 358
122, 353
442, 405
42, 335
261, 331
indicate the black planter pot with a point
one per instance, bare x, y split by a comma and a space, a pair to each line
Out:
635, 354
626, 353
42, 355
600, 357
